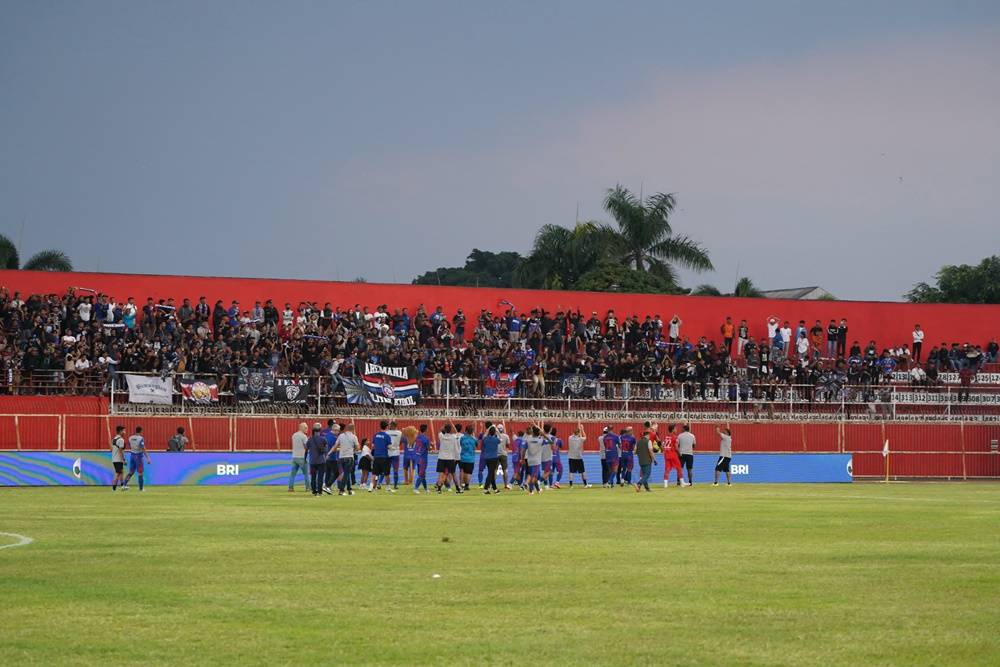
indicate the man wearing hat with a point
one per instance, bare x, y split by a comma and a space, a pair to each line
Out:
316, 449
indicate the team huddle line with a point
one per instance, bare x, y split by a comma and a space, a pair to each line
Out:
532, 461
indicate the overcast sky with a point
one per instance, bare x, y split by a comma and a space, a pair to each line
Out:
853, 145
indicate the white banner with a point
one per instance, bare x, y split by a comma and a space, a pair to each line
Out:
149, 389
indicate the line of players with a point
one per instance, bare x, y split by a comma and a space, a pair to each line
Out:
531, 462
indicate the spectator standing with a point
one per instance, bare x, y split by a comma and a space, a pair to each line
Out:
299, 440
686, 443
178, 442
316, 449
345, 447
918, 342
728, 331
644, 452
841, 338
725, 455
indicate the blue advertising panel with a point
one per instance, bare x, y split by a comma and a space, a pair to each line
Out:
224, 468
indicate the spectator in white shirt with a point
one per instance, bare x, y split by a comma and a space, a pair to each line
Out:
918, 341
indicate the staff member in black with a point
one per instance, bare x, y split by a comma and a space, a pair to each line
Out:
316, 450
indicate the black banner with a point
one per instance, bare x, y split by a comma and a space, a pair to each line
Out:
580, 385
254, 384
288, 390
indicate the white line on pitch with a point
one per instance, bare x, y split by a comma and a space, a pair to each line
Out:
22, 540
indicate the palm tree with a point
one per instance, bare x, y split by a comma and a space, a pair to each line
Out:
706, 290
560, 255
46, 260
746, 289
644, 237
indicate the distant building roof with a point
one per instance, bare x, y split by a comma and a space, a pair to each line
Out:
801, 293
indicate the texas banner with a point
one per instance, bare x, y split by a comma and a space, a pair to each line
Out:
291, 390
391, 385
199, 392
501, 385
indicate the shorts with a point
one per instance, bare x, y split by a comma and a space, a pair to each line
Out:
467, 466
394, 461
446, 466
723, 464
546, 466
576, 466
119, 466
408, 460
612, 463
534, 471
365, 464
135, 463
687, 460
672, 462
381, 465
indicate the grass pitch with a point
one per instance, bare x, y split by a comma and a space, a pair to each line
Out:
840, 574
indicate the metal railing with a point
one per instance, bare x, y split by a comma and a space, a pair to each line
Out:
727, 398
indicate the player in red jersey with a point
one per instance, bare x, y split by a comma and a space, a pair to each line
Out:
671, 461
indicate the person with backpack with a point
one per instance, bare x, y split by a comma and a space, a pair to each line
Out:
178, 441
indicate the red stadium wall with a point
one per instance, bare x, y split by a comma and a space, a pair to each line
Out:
887, 323
918, 450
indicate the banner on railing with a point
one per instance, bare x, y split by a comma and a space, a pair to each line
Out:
397, 386
580, 385
254, 384
291, 390
149, 389
199, 392
501, 385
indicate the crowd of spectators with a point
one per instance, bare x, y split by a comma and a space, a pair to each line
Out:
71, 343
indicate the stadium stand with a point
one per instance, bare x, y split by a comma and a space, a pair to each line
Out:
833, 371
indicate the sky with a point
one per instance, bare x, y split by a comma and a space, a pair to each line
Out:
852, 145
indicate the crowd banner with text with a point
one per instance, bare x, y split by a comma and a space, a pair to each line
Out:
580, 385
149, 389
255, 385
501, 385
230, 468
291, 390
397, 386
199, 392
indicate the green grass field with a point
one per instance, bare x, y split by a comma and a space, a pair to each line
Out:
841, 574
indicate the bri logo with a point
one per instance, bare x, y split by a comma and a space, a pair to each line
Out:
742, 469
227, 470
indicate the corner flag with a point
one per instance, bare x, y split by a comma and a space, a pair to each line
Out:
885, 449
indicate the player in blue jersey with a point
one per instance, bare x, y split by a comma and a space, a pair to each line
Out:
517, 460
409, 463
534, 447
627, 460
380, 453
331, 433
610, 442
481, 466
467, 459
136, 458
421, 448
556, 475
547, 455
